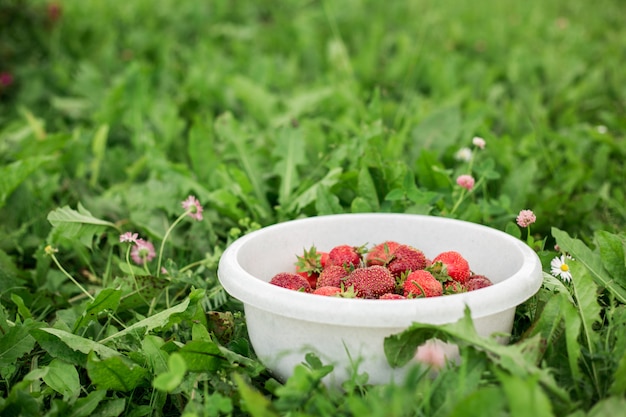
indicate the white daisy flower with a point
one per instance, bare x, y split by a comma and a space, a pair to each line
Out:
559, 268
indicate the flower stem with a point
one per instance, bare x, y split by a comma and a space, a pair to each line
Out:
529, 240
465, 193
167, 234
191, 265
132, 273
67, 274
459, 201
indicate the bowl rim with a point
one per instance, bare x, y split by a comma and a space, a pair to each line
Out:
245, 287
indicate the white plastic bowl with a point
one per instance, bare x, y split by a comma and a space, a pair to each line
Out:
284, 325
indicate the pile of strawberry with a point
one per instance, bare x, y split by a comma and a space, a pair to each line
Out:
388, 270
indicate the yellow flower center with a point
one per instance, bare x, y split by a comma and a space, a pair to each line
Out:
49, 250
564, 268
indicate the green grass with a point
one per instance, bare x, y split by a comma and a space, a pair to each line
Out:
269, 111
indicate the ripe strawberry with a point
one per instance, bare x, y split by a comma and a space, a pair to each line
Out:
371, 282
311, 277
344, 255
328, 291
291, 281
453, 287
407, 258
391, 296
310, 264
323, 259
381, 254
477, 282
333, 276
456, 265
421, 283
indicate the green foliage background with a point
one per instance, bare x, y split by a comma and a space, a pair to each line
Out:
269, 111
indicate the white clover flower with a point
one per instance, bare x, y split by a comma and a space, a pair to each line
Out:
479, 142
463, 154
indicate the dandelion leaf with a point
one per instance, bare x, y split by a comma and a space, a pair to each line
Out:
9, 274
106, 300
63, 378
139, 291
289, 153
201, 356
115, 373
438, 130
310, 194
572, 323
488, 401
157, 320
82, 344
428, 177
156, 357
613, 254
591, 260
57, 348
586, 294
75, 225
367, 190
611, 406
85, 406
559, 317
14, 344
516, 359
14, 174
618, 387
253, 401
525, 396
326, 202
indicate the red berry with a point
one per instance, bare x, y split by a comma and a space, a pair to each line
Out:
477, 282
407, 258
391, 296
344, 255
311, 277
323, 259
309, 265
333, 276
370, 282
291, 281
453, 287
422, 283
327, 291
381, 254
456, 265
